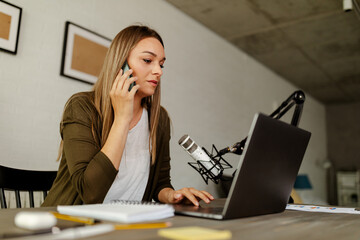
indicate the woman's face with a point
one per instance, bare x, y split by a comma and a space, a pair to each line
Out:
147, 60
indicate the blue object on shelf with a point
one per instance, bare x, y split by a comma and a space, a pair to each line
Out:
302, 182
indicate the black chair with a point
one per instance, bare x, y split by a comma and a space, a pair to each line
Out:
24, 180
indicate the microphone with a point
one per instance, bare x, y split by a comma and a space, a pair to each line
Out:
209, 166
199, 155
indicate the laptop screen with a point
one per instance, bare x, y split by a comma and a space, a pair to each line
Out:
267, 168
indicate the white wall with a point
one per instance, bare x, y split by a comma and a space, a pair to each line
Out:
210, 88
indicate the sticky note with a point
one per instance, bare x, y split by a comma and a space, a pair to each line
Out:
198, 233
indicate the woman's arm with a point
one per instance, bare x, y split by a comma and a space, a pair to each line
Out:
123, 104
91, 172
165, 192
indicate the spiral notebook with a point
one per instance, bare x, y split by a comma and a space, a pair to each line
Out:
120, 211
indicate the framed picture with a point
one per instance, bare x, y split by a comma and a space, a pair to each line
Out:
83, 55
10, 18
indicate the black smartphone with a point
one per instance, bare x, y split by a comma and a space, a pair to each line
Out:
126, 68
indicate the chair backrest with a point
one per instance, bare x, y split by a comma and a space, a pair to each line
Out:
24, 180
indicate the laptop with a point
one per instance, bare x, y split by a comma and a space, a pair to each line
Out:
265, 175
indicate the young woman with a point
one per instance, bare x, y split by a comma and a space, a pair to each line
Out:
115, 141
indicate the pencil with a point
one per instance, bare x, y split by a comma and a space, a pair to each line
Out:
84, 220
142, 225
91, 221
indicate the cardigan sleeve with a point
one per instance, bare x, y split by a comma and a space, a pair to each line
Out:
163, 154
91, 171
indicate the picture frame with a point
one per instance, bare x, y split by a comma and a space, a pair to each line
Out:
83, 53
10, 19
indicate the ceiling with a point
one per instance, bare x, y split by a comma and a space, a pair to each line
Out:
313, 44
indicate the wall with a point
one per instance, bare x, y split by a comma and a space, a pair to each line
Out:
210, 88
343, 141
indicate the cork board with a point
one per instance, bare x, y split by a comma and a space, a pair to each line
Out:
88, 56
5, 23
10, 19
84, 52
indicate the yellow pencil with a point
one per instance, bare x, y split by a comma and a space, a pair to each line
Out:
142, 225
84, 220
91, 221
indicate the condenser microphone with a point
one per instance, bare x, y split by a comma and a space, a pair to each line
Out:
211, 168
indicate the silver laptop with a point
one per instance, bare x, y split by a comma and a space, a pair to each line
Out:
265, 175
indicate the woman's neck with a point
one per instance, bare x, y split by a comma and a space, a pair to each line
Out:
136, 112
137, 104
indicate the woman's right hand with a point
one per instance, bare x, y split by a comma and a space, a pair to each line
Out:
121, 99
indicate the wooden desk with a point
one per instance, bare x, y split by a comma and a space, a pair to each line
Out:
288, 225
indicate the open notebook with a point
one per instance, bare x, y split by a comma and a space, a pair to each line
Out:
120, 211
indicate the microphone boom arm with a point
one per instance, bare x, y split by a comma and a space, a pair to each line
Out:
219, 164
298, 98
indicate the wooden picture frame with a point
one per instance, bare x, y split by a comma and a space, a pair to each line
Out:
83, 54
10, 19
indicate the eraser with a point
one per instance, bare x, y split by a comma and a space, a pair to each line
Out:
35, 220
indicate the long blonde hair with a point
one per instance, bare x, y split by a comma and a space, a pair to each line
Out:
116, 56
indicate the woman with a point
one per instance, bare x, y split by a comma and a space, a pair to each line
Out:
115, 141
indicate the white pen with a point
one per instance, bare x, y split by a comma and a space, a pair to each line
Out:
82, 232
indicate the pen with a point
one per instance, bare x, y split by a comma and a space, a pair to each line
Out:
142, 225
84, 220
82, 232
69, 233
24, 234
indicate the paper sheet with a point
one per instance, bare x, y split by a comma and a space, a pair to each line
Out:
314, 208
199, 233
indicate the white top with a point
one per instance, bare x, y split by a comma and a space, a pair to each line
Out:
132, 178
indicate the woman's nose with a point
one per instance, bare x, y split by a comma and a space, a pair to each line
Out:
157, 70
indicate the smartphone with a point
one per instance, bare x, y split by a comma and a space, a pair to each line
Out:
126, 68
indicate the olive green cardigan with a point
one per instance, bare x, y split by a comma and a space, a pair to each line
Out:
85, 173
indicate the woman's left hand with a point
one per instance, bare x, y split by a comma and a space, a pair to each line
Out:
184, 195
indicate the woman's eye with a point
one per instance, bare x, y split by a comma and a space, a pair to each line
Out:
150, 61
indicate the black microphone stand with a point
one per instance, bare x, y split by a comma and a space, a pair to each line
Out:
220, 163
297, 98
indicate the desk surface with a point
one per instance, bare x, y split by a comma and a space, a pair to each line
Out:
286, 225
